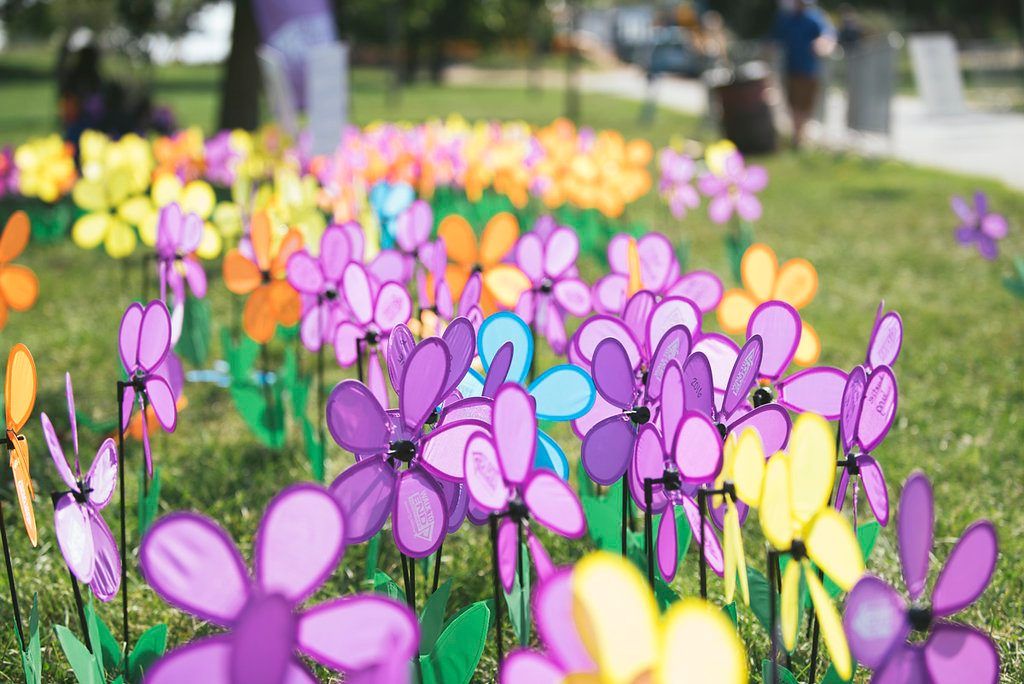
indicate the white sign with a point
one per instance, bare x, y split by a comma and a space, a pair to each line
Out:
278, 90
937, 72
327, 95
870, 77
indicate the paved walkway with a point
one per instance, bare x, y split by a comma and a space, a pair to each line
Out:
984, 144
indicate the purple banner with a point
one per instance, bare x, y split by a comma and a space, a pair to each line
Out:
292, 27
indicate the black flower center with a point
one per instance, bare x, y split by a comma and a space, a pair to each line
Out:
920, 618
402, 450
517, 511
797, 550
640, 415
762, 396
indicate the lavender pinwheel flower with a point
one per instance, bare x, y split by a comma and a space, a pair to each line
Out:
221, 159
687, 450
384, 443
503, 481
868, 410
8, 172
886, 339
734, 191
177, 236
319, 282
555, 290
194, 565
434, 296
879, 622
412, 231
84, 538
676, 184
979, 226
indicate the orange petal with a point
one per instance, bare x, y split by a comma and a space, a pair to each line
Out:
291, 244
23, 487
456, 276
459, 240
260, 235
3, 313
15, 236
286, 303
633, 263
19, 286
20, 387
241, 276
506, 282
500, 235
759, 269
734, 311
797, 283
258, 317
809, 349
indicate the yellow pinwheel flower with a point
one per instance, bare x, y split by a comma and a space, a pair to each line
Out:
195, 197
620, 627
716, 153
732, 539
791, 492
46, 168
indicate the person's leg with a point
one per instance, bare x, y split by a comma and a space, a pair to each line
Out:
802, 93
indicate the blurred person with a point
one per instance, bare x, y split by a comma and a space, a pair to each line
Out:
714, 43
850, 29
805, 36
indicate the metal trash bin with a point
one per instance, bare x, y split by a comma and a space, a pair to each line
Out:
740, 100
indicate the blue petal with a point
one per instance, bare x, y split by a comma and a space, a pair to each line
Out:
501, 328
563, 392
550, 456
472, 385
400, 196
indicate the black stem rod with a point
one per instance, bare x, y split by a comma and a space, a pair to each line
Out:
497, 591
10, 580
702, 505
124, 535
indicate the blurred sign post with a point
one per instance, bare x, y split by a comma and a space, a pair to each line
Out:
870, 80
327, 95
937, 72
279, 91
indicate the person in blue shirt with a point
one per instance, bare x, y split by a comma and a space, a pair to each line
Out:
805, 36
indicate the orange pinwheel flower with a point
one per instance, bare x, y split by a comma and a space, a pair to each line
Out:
19, 286
795, 283
272, 300
502, 283
19, 399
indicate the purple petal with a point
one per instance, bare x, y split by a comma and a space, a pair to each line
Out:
102, 476
722, 353
674, 346
956, 653
904, 666
968, 570
697, 449
875, 621
460, 338
263, 639
886, 340
814, 390
560, 252
400, 346
497, 372
412, 227
515, 432
879, 410
160, 396
648, 462
772, 423
358, 633
484, 479
994, 226
375, 377
874, 487
356, 420
530, 257
609, 293
508, 553
365, 491
205, 660
712, 546
345, 340
193, 564
299, 543
524, 665
698, 384
915, 523
128, 336
154, 335
779, 326
74, 536
106, 571
613, 374
419, 517
673, 401
703, 288
607, 448
553, 504
851, 405
748, 207
335, 252
573, 295
57, 452
962, 209
304, 273
656, 260
443, 449
744, 374
720, 209
598, 328
668, 545
637, 314
393, 307
423, 382
356, 286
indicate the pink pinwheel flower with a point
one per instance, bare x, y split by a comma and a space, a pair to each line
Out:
318, 281
374, 311
649, 263
979, 226
144, 341
84, 538
392, 476
676, 184
412, 231
502, 480
879, 622
194, 565
549, 263
734, 191
177, 237
221, 159
8, 173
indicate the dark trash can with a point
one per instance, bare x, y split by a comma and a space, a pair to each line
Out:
740, 100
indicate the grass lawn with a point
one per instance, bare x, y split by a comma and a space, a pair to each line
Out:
874, 229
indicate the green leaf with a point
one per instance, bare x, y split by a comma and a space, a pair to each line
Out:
81, 660
458, 650
32, 656
785, 676
604, 518
265, 420
372, 555
663, 593
519, 602
148, 501
150, 646
196, 335
383, 584
683, 533
94, 638
832, 677
760, 601
730, 610
432, 618
110, 648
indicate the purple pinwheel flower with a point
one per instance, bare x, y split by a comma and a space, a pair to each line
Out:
8, 172
979, 226
734, 191
385, 442
503, 481
676, 184
657, 270
84, 538
879, 622
434, 296
144, 341
375, 310
687, 451
412, 231
194, 565
177, 236
221, 159
886, 339
868, 410
318, 281
555, 290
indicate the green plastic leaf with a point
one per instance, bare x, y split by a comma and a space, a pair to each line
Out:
32, 656
383, 584
519, 602
730, 610
457, 652
94, 638
81, 660
832, 677
663, 593
149, 501
110, 648
372, 556
1015, 283
760, 593
432, 618
683, 533
264, 416
604, 518
195, 341
785, 676
150, 646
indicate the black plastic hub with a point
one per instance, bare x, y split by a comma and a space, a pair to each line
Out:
640, 415
920, 618
762, 396
403, 451
797, 550
518, 512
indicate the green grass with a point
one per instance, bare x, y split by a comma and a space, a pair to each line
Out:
874, 229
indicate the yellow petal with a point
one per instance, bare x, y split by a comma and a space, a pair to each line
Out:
227, 216
832, 545
809, 349
136, 209
748, 470
776, 513
198, 198
211, 243
120, 239
699, 645
633, 262
89, 230
789, 611
615, 615
729, 551
147, 229
759, 270
166, 189
90, 195
734, 311
797, 283
812, 465
732, 521
831, 625
506, 282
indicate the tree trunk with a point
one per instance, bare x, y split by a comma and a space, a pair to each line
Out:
240, 87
